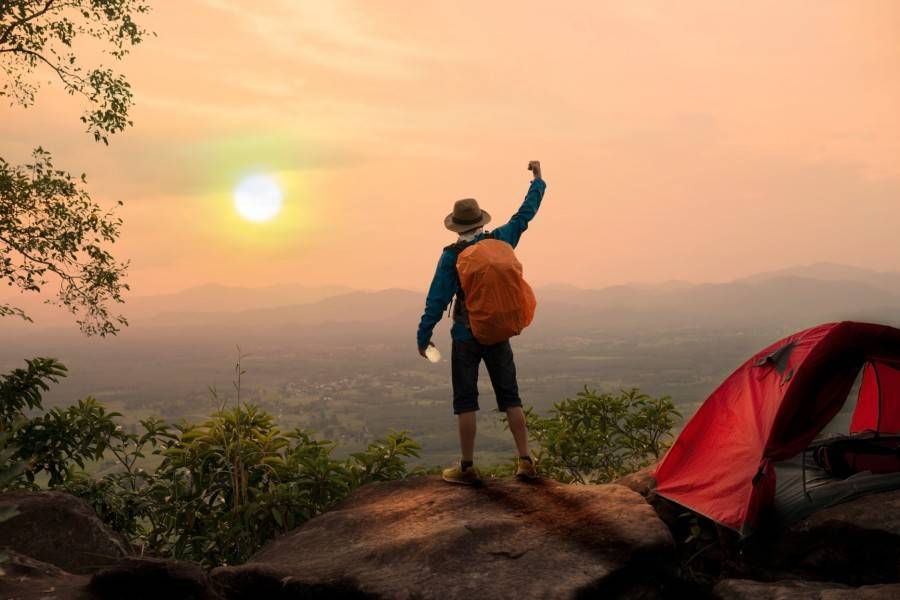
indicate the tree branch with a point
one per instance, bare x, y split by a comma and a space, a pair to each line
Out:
5, 36
60, 72
50, 266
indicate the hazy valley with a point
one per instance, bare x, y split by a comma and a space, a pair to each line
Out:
344, 363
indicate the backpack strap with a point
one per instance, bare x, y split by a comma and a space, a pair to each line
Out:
456, 248
460, 246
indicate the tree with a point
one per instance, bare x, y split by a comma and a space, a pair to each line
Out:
50, 229
38, 34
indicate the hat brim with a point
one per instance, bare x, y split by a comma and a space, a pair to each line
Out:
456, 227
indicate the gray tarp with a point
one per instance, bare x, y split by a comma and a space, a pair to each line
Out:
822, 490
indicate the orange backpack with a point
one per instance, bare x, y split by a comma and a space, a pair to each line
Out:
499, 302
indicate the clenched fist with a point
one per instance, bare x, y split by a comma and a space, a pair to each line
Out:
535, 167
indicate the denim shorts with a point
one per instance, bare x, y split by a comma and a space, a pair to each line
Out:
464, 362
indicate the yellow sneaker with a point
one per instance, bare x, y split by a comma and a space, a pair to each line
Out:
525, 469
456, 474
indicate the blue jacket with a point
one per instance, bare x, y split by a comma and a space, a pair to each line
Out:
446, 280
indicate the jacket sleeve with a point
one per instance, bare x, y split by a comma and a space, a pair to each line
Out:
512, 231
441, 292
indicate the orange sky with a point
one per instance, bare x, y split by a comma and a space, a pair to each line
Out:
691, 140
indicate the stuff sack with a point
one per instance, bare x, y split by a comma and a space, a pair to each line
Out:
498, 300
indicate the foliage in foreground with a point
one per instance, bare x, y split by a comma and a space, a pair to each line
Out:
595, 438
221, 489
230, 484
9, 470
54, 442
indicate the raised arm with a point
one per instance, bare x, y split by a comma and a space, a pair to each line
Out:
443, 286
512, 231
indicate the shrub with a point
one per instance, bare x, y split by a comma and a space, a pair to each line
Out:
55, 441
228, 485
9, 471
595, 438
221, 489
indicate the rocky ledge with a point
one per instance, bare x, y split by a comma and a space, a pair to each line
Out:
423, 538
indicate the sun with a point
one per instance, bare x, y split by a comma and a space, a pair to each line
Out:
258, 198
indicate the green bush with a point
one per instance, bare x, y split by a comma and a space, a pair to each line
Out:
221, 489
228, 485
224, 487
9, 471
55, 441
595, 438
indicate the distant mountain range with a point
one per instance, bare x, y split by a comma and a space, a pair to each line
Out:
777, 302
792, 297
220, 298
885, 280
795, 296
204, 299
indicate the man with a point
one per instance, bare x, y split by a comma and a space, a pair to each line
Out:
468, 221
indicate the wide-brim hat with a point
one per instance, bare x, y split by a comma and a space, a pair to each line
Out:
466, 215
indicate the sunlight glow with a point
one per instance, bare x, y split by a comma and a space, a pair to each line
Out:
258, 198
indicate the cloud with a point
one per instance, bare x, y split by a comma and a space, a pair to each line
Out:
328, 34
212, 165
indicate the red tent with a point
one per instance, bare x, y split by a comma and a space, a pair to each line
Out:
770, 409
878, 406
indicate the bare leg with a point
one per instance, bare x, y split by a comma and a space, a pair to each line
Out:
467, 435
515, 416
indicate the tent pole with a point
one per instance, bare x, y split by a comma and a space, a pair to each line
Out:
878, 390
803, 475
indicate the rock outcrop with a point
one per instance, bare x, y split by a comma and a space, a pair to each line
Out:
423, 538
743, 589
641, 481
60, 529
152, 579
24, 578
856, 543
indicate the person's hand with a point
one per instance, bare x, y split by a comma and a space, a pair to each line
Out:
535, 167
423, 350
